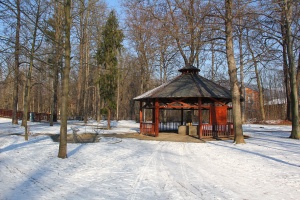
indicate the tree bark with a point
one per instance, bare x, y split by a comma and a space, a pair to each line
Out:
16, 66
65, 82
286, 69
232, 71
87, 68
108, 118
57, 62
28, 78
298, 70
241, 62
286, 82
260, 92
295, 133
258, 82
80, 110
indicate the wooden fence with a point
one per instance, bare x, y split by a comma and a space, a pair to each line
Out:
217, 130
33, 116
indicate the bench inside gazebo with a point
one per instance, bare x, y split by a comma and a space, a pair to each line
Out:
188, 104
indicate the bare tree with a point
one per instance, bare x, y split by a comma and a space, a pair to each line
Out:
29, 73
65, 82
232, 71
17, 64
287, 9
81, 83
254, 59
58, 40
285, 68
240, 30
189, 33
141, 33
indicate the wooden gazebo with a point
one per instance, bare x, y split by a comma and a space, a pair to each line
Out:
188, 92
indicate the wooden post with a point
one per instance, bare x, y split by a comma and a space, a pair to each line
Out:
156, 123
141, 116
210, 114
181, 116
200, 118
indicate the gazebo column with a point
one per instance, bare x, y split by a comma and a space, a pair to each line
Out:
156, 117
200, 117
141, 116
181, 116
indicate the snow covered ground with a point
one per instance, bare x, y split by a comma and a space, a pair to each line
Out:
267, 167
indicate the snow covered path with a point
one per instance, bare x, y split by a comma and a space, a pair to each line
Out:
267, 167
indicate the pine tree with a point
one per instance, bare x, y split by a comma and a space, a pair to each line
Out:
111, 45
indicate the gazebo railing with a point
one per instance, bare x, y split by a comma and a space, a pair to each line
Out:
208, 130
217, 130
147, 128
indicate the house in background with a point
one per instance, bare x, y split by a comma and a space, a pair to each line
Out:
252, 112
275, 103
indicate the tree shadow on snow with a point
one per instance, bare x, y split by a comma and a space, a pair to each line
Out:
20, 145
257, 154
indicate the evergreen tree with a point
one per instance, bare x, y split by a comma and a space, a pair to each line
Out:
111, 45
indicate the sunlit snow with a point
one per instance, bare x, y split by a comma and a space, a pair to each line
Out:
266, 167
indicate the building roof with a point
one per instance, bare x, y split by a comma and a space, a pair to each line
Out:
189, 84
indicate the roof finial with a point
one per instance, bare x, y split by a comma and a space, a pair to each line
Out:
189, 69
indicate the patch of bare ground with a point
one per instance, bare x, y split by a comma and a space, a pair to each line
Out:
171, 137
78, 138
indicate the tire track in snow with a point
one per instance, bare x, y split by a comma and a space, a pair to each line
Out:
31, 180
184, 168
172, 179
143, 170
167, 177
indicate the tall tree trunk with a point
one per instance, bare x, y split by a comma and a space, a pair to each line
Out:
240, 29
232, 70
260, 92
287, 82
108, 118
213, 73
98, 102
28, 78
86, 67
286, 68
240, 38
81, 72
65, 82
16, 67
57, 62
55, 71
258, 82
118, 96
298, 70
295, 133
86, 84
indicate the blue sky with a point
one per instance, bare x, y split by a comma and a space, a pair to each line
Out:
115, 4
